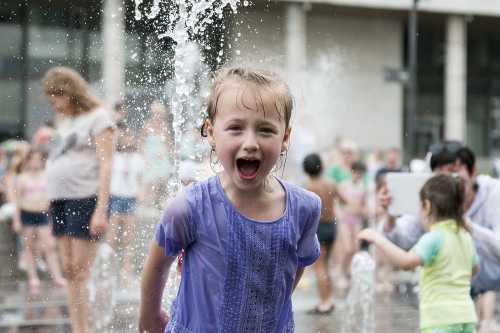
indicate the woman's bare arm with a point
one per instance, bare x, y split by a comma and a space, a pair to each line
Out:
104, 150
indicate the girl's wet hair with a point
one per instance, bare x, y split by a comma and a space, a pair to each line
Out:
262, 81
359, 167
64, 81
446, 193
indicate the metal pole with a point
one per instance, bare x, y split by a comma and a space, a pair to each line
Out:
25, 71
411, 100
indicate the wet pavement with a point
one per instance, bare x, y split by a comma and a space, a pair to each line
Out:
394, 313
48, 312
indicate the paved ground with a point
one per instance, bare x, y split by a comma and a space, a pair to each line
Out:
396, 313
48, 312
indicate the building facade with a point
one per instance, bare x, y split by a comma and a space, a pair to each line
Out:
345, 61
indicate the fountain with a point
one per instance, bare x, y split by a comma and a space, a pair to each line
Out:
360, 316
186, 22
102, 288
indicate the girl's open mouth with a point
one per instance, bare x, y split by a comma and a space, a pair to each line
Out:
247, 168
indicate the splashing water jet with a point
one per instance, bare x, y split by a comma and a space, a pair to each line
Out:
186, 22
360, 316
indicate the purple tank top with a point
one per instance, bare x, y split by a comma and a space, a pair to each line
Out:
238, 273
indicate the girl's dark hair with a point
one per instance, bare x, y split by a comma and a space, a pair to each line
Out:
358, 166
32, 152
125, 131
312, 165
446, 193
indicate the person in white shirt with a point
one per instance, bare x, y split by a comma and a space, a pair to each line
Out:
78, 173
126, 181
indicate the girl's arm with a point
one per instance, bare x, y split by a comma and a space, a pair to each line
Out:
152, 318
475, 270
104, 149
298, 276
10, 187
364, 207
338, 194
17, 193
399, 257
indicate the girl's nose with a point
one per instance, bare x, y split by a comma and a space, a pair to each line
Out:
250, 143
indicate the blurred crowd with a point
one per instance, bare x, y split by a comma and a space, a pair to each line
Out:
358, 181
142, 175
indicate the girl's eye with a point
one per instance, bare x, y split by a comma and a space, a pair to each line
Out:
267, 130
234, 128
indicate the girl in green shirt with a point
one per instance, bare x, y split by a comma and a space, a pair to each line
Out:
447, 255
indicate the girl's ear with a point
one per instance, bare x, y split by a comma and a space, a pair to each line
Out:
286, 139
474, 170
209, 128
427, 207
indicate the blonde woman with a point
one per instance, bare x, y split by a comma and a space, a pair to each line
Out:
78, 173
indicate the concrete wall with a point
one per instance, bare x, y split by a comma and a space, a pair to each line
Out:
259, 37
342, 92
350, 54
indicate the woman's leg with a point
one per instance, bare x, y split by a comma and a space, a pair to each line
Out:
83, 254
128, 238
339, 252
29, 244
353, 245
112, 232
66, 254
48, 246
486, 312
488, 300
356, 228
348, 249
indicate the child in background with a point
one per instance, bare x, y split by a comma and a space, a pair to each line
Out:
384, 268
156, 142
126, 181
31, 218
247, 235
9, 207
447, 255
352, 213
327, 191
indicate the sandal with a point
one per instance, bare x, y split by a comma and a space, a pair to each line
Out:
316, 311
